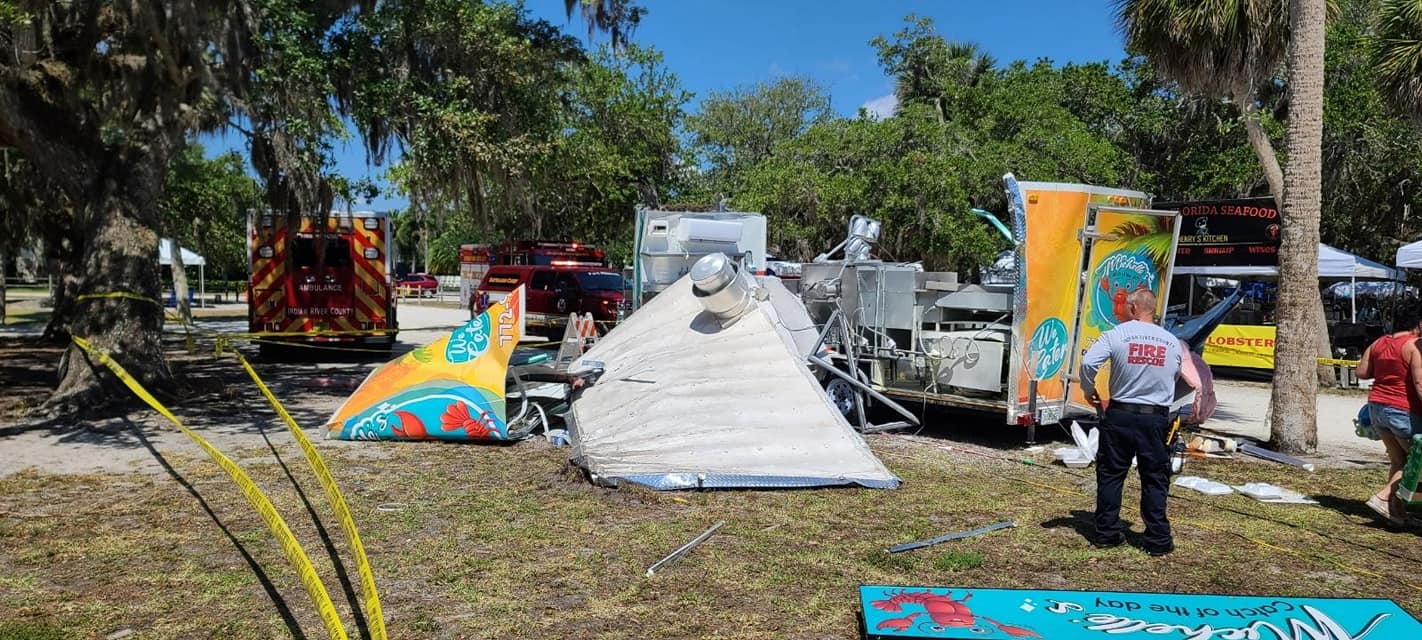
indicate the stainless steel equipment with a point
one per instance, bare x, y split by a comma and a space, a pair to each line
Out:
910, 333
720, 286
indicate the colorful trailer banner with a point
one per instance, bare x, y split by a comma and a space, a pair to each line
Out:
1237, 345
1048, 220
985, 614
450, 389
1135, 254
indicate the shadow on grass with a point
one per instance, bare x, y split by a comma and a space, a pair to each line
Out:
1359, 508
1349, 507
1084, 524
282, 609
331, 551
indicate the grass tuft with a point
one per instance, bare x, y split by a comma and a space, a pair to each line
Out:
958, 561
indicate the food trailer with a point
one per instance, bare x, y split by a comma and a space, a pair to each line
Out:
1010, 348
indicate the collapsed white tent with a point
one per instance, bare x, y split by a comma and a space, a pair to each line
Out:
685, 403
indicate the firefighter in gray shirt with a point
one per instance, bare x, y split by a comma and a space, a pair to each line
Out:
1145, 363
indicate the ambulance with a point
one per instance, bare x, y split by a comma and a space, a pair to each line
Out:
322, 281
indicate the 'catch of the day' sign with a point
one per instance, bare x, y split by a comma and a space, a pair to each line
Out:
943, 612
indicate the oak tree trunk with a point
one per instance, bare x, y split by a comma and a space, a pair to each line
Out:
1293, 425
120, 232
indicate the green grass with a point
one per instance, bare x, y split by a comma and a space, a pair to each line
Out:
503, 542
958, 561
33, 631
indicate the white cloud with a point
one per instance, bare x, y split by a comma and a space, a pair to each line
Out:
776, 69
881, 107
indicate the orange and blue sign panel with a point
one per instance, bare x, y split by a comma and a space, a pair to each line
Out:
450, 389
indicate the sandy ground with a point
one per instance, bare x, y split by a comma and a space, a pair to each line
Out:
1244, 407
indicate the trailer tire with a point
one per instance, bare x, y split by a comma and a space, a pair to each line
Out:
841, 396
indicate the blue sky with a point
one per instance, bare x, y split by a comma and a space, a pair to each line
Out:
718, 44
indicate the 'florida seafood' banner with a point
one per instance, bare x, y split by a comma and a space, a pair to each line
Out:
1136, 254
1048, 219
450, 389
1027, 614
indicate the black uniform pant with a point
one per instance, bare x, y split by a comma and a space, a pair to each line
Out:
1124, 435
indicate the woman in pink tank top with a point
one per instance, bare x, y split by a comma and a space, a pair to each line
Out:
1394, 405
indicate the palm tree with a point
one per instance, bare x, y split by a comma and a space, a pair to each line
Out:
1292, 404
1231, 49
929, 69
1226, 49
1397, 54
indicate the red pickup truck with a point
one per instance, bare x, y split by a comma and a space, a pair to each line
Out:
553, 292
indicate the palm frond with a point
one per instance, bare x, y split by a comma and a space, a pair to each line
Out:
1131, 229
1155, 238
1397, 54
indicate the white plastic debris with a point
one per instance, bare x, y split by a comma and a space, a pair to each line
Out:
1207, 487
1084, 453
1265, 492
1261, 491
1072, 457
1088, 443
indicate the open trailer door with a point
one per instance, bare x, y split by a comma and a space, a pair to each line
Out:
1126, 249
1049, 222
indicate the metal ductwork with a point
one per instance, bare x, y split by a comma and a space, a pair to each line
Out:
723, 291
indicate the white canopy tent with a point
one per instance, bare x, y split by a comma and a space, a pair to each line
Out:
1410, 256
190, 259
1333, 264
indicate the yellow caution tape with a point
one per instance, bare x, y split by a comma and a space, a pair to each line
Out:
294, 553
278, 334
1333, 362
116, 294
373, 615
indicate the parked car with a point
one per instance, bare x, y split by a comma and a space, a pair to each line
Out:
554, 292
419, 284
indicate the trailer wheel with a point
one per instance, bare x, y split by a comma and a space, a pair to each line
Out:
841, 395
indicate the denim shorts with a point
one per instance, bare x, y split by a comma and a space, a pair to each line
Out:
1401, 424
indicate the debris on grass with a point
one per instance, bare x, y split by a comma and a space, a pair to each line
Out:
1272, 494
1203, 485
684, 549
919, 544
1273, 456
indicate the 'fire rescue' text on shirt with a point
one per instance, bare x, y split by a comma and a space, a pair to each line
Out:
1145, 360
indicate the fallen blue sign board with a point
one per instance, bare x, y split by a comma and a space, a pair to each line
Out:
1026, 614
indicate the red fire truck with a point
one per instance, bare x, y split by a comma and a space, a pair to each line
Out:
326, 281
475, 259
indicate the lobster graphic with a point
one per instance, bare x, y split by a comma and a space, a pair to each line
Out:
944, 612
1118, 298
